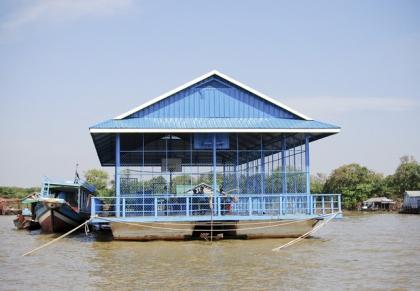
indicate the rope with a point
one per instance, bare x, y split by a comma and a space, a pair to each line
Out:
312, 231
221, 230
56, 239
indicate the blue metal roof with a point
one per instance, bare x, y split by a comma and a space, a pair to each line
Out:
211, 103
213, 97
212, 123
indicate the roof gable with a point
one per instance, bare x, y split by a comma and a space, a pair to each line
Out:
213, 95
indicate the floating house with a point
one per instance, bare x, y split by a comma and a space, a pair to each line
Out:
378, 203
411, 203
251, 150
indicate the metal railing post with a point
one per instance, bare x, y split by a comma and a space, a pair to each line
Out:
92, 207
156, 209
187, 205
314, 205
308, 204
218, 205
339, 202
123, 207
332, 203
250, 206
281, 205
323, 204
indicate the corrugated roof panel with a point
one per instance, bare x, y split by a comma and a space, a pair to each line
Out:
213, 100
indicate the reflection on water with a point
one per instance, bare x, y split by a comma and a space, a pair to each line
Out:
360, 251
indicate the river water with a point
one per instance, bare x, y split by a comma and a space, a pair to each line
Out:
361, 251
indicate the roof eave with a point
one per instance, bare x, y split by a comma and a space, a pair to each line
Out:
209, 130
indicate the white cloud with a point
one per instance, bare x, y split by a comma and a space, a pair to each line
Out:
32, 12
328, 104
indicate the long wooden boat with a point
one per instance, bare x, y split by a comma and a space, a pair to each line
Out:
63, 205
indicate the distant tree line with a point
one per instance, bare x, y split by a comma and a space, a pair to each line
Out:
17, 192
357, 183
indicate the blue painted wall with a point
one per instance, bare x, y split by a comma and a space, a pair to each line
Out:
214, 98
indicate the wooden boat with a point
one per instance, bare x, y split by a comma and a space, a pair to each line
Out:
26, 219
26, 222
218, 229
63, 205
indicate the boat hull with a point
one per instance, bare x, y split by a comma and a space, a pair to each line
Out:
151, 231
58, 217
276, 228
217, 230
26, 222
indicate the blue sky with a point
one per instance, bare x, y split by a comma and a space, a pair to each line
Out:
66, 65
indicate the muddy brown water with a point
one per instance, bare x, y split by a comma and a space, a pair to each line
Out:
361, 251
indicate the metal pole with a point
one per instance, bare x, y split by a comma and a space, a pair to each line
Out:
142, 173
283, 164
294, 170
237, 164
191, 161
339, 203
123, 207
117, 174
308, 176
215, 174
92, 207
262, 174
262, 166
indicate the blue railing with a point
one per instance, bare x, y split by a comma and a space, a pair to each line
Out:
223, 207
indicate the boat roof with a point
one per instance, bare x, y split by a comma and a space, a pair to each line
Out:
379, 199
77, 183
31, 198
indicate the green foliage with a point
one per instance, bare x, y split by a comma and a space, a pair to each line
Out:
355, 182
155, 185
17, 192
99, 178
407, 176
317, 183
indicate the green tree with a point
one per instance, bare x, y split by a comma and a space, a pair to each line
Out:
156, 185
99, 178
355, 182
406, 176
317, 183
